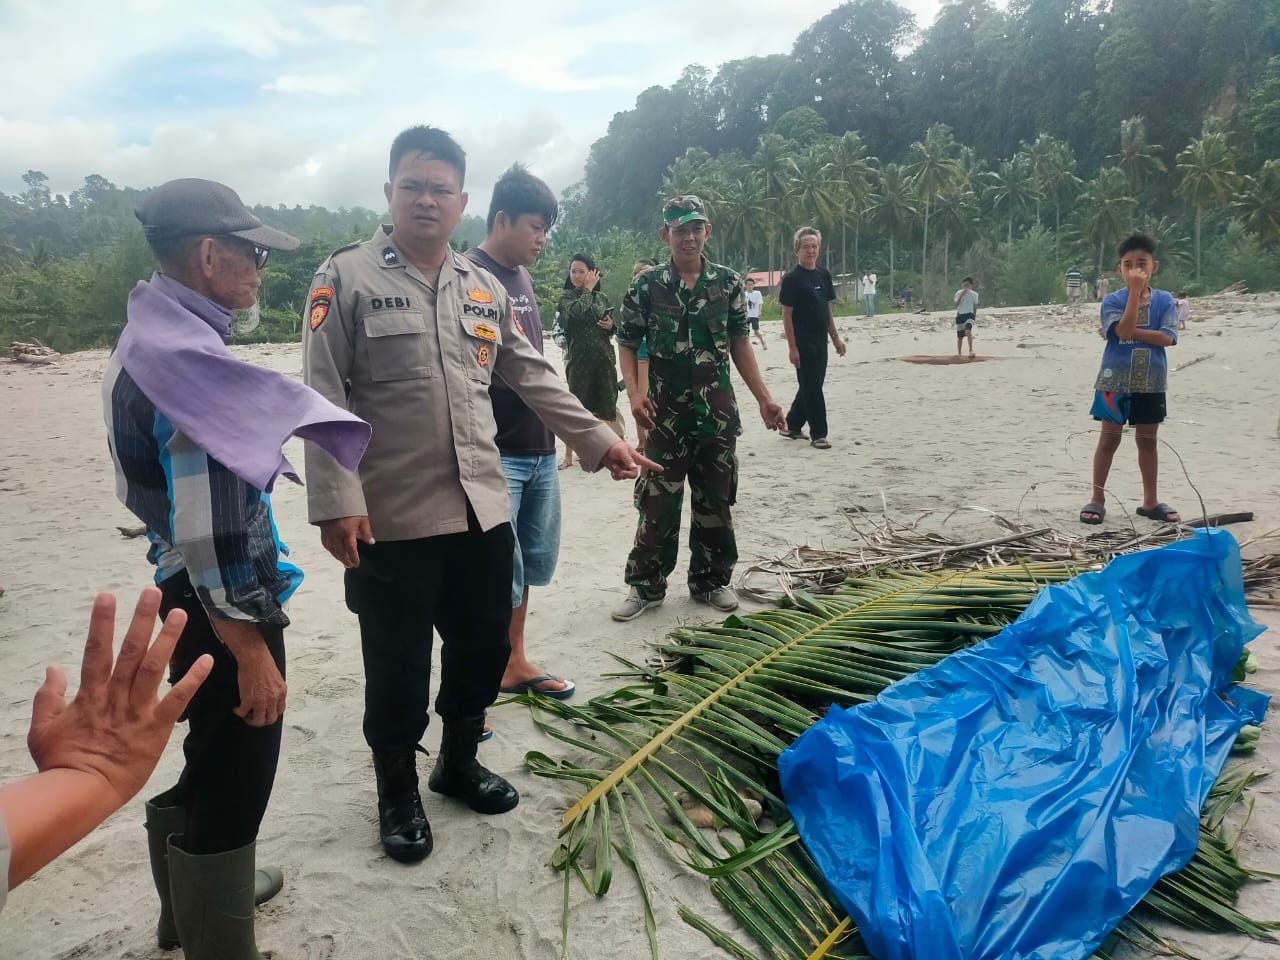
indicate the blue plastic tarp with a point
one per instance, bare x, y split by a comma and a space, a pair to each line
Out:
1016, 800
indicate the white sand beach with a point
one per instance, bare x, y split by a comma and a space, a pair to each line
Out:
1010, 435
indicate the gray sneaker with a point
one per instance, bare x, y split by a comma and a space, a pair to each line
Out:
633, 606
722, 598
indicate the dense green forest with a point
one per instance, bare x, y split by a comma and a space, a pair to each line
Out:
1007, 143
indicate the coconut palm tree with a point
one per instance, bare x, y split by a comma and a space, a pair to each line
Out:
692, 172
1209, 177
852, 171
893, 209
1011, 190
1137, 158
813, 194
1106, 209
1258, 203
741, 215
776, 167
933, 165
956, 214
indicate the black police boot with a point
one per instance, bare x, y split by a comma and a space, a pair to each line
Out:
402, 823
458, 774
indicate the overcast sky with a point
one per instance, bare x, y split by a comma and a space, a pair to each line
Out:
296, 102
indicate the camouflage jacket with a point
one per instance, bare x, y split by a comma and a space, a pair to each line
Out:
688, 333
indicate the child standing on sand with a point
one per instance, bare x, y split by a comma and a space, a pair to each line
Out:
1138, 323
966, 314
1183, 304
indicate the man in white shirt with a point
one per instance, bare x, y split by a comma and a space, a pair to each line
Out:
966, 300
869, 292
755, 303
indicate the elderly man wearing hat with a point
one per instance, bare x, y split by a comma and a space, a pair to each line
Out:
691, 313
196, 437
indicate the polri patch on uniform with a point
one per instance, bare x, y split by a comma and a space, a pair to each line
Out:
486, 332
318, 312
389, 256
482, 356
480, 296
319, 302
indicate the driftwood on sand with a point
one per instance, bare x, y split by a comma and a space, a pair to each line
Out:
35, 352
885, 542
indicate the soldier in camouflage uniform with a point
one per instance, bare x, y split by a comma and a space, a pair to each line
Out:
691, 314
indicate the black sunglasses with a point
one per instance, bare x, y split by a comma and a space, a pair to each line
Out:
260, 254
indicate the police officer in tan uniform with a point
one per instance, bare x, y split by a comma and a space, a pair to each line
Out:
408, 335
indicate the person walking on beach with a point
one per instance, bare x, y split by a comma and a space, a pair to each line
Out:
195, 436
585, 316
1075, 285
691, 313
409, 335
966, 301
521, 211
1138, 323
755, 304
869, 292
807, 321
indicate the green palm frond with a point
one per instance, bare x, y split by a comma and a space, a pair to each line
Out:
708, 732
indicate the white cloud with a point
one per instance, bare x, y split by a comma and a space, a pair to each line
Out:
297, 102
324, 85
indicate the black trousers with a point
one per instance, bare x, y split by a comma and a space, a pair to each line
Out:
231, 766
458, 584
810, 405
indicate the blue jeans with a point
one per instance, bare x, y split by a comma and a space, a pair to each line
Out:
869, 300
534, 483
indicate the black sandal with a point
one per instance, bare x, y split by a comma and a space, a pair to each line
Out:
1093, 513
1161, 513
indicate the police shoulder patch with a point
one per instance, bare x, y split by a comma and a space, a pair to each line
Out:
318, 312
318, 306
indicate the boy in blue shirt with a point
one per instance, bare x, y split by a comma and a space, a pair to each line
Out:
1138, 323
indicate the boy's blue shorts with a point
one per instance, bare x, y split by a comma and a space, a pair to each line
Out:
1113, 406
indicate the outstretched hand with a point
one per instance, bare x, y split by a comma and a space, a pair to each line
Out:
624, 461
115, 728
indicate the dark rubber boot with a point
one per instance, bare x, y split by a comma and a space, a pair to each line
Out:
402, 823
213, 902
458, 774
164, 820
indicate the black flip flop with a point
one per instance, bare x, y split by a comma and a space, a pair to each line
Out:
1098, 510
1161, 513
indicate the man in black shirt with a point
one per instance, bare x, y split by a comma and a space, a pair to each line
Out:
521, 212
806, 295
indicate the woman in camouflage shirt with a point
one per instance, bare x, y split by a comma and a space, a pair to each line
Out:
590, 364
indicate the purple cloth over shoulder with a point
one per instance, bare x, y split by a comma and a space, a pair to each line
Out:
241, 415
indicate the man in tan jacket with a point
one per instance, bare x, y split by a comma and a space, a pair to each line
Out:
408, 335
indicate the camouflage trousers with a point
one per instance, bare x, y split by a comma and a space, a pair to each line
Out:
711, 466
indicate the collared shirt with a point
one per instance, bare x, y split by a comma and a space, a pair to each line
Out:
416, 359
199, 515
689, 334
1130, 366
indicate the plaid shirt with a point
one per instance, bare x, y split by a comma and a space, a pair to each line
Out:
200, 516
